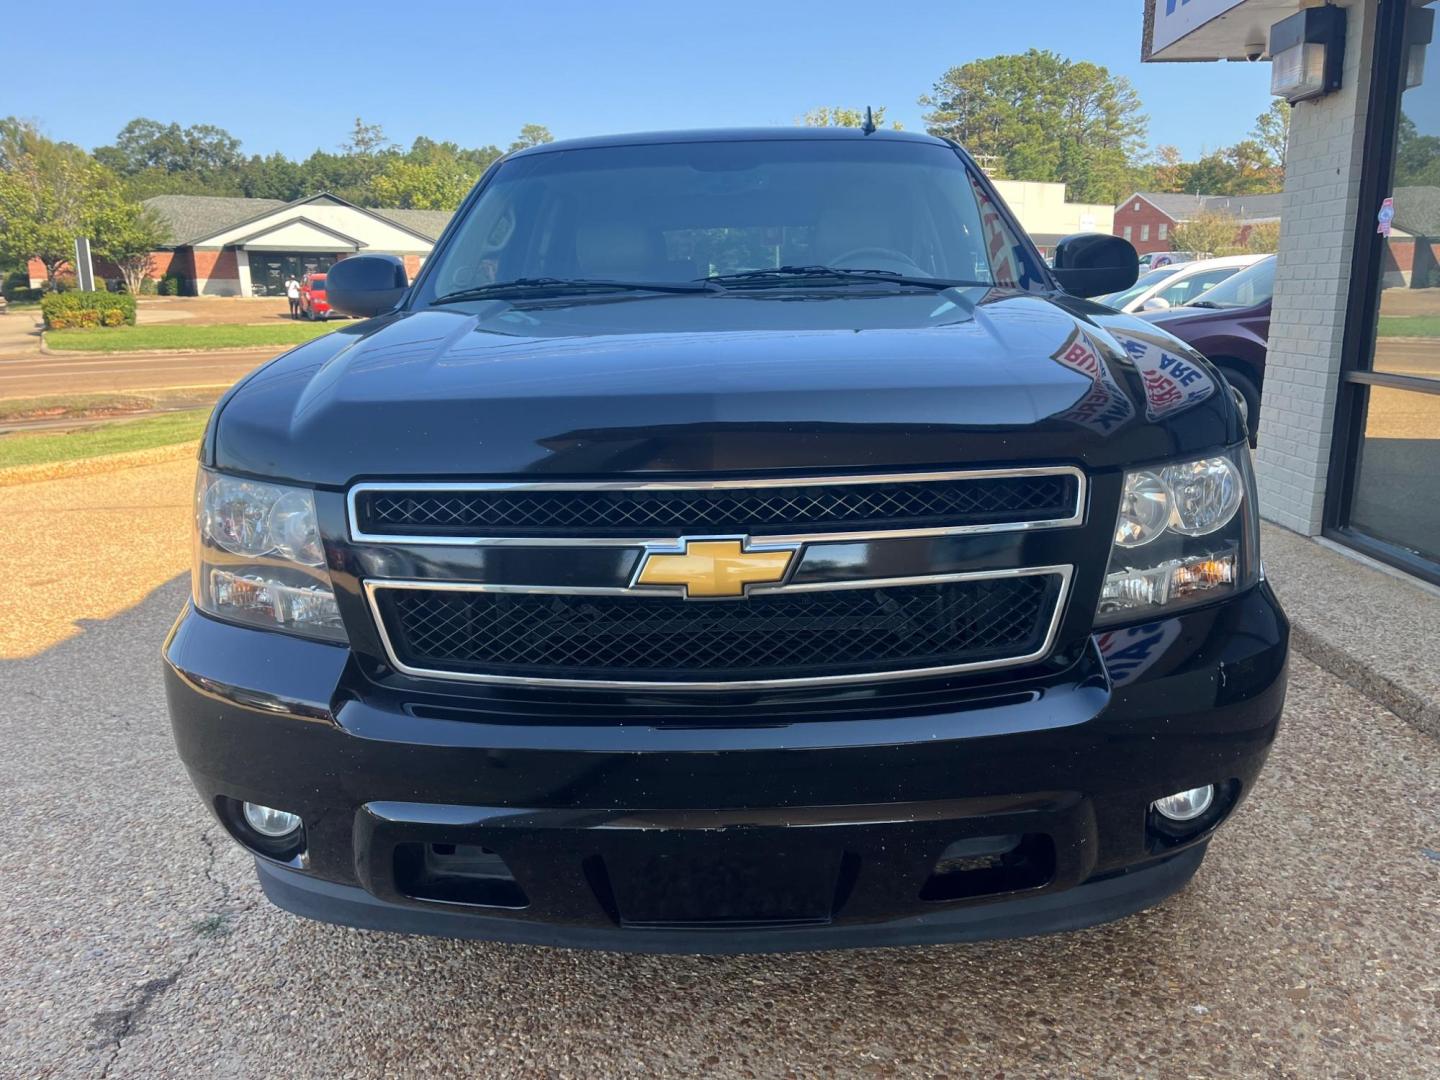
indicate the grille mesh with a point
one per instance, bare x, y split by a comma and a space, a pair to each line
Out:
767, 636
756, 511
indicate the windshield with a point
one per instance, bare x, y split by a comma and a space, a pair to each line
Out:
680, 212
1251, 286
1144, 283
317, 283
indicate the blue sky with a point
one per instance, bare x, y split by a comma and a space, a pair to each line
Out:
293, 76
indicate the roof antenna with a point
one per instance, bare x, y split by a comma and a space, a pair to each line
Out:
868, 127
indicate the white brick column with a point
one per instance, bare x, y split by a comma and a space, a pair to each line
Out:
1323, 165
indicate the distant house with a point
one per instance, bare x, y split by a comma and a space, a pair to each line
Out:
248, 247
1147, 218
1411, 257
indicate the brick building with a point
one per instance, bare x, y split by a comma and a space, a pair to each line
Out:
1147, 218
248, 247
1350, 417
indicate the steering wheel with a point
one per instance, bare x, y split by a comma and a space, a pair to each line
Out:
907, 265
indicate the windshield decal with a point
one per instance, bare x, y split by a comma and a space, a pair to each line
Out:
1171, 381
1104, 407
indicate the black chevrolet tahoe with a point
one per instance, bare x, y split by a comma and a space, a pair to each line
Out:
728, 541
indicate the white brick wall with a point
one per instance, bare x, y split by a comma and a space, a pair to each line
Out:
1317, 234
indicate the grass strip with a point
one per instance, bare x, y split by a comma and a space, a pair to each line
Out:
116, 438
167, 336
1409, 326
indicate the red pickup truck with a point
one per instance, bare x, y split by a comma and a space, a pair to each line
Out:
313, 304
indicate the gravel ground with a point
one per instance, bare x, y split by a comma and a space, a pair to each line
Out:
135, 943
60, 543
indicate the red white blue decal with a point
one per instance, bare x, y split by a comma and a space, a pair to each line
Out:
1104, 407
1171, 381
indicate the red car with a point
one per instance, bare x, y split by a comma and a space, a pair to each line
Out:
313, 304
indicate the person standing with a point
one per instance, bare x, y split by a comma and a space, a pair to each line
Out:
292, 293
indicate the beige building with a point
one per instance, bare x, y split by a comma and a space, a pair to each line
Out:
1045, 214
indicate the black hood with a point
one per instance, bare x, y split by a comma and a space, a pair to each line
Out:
723, 384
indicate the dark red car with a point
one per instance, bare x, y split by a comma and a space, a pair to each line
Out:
1230, 324
313, 304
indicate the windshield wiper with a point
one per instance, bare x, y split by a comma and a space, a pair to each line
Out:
843, 275
553, 286
1203, 303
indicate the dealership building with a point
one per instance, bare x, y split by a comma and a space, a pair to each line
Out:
1349, 437
248, 247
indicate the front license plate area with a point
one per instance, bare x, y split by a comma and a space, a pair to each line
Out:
718, 880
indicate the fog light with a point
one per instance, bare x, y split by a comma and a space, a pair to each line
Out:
267, 821
1182, 806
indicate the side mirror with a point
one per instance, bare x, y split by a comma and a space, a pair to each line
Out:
1156, 303
366, 285
1092, 264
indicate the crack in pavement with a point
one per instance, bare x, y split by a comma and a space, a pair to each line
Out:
117, 1025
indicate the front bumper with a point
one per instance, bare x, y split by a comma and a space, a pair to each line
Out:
726, 836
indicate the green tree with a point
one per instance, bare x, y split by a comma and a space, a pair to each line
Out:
1040, 116
1417, 157
1263, 237
1254, 171
123, 231
840, 116
366, 140
531, 135
1272, 131
437, 184
1168, 171
272, 177
1209, 233
47, 196
345, 175
200, 150
1211, 174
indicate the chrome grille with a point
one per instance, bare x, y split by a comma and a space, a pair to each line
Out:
934, 502
791, 635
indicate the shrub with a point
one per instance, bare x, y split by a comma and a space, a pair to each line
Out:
87, 309
171, 285
16, 286
65, 282
147, 286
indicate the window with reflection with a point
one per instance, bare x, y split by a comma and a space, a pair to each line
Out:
1408, 329
1397, 489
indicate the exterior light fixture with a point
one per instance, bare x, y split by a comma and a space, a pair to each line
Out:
1419, 31
1307, 53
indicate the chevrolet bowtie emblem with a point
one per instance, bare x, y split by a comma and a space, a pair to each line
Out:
710, 569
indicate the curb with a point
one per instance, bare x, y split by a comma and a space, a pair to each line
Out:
83, 354
94, 466
1414, 708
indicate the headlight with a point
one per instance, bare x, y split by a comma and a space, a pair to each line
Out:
1181, 537
259, 559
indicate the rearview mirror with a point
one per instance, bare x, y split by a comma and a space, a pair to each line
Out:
1092, 264
366, 285
1156, 303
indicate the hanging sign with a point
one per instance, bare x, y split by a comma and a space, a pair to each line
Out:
1386, 217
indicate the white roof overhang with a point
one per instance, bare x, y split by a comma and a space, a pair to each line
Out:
1211, 29
297, 234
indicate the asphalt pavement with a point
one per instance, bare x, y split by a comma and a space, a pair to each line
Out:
42, 374
135, 943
